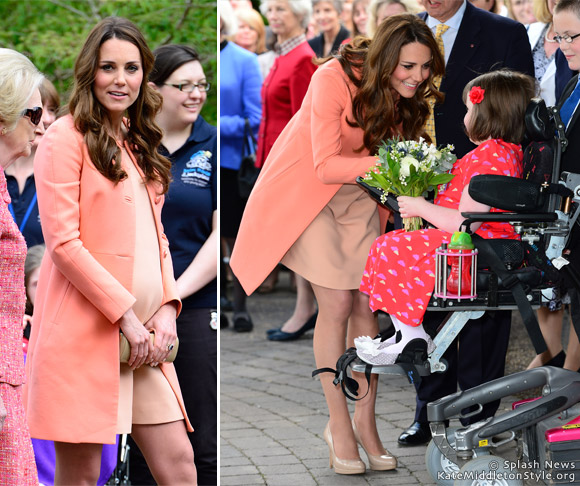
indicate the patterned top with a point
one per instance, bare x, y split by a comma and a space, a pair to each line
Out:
491, 157
541, 61
12, 293
286, 46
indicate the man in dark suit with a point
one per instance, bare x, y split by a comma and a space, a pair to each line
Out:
475, 42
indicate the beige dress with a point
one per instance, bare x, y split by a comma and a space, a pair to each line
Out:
145, 396
333, 250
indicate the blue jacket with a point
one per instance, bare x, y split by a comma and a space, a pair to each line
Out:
240, 85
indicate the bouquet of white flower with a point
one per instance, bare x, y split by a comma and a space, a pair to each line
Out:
410, 168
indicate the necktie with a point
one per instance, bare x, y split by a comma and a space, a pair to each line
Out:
569, 105
430, 123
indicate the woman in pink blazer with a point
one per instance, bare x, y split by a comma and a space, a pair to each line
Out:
20, 115
107, 268
307, 211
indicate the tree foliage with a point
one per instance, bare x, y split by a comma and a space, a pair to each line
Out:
51, 32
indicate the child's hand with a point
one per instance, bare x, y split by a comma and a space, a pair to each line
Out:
410, 207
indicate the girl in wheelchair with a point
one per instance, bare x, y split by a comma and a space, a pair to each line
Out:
399, 275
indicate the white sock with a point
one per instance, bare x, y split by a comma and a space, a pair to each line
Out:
397, 325
408, 333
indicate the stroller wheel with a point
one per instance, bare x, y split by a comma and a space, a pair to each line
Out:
487, 471
441, 469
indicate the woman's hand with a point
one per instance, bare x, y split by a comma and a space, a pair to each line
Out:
3, 414
138, 338
26, 319
409, 207
164, 325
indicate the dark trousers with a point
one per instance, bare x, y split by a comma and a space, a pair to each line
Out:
196, 366
475, 357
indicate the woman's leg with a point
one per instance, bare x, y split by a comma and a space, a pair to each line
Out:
167, 451
77, 464
305, 306
551, 327
334, 309
572, 351
363, 322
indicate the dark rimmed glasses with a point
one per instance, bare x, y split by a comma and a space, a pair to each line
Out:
567, 38
189, 87
35, 114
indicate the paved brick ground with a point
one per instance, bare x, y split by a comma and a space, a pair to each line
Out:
273, 413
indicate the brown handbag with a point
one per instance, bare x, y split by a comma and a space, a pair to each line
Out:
125, 348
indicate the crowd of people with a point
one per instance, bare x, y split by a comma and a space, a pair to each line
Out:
306, 215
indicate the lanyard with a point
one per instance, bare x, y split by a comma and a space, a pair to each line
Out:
26, 215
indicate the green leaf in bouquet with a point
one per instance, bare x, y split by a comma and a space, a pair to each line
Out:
440, 179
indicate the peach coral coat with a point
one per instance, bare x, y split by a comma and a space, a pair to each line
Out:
84, 288
309, 162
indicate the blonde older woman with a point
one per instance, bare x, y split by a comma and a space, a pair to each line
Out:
251, 33
20, 115
379, 10
520, 10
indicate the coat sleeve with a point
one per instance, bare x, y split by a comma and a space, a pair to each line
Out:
57, 167
250, 85
329, 97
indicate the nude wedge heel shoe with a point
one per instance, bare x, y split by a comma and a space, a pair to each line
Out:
342, 466
383, 462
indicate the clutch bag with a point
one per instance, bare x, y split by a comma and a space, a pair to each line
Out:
125, 348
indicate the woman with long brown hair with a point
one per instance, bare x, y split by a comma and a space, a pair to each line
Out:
107, 269
307, 212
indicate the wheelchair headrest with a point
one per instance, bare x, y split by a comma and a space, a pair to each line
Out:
539, 124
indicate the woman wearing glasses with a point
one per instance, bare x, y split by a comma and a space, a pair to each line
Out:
190, 220
107, 269
20, 114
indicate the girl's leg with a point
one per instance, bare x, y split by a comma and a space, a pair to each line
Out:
77, 464
334, 309
408, 333
168, 452
551, 327
305, 306
363, 322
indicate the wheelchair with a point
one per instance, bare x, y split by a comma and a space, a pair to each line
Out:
542, 207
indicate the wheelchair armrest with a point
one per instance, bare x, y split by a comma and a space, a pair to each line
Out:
509, 217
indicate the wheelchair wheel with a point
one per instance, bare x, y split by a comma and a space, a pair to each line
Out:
487, 471
437, 463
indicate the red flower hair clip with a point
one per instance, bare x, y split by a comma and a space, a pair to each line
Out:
476, 94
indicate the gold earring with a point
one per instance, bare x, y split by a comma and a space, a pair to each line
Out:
4, 131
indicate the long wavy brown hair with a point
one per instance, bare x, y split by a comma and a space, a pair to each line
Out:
369, 64
91, 118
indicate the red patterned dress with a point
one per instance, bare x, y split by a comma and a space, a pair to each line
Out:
399, 275
17, 465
